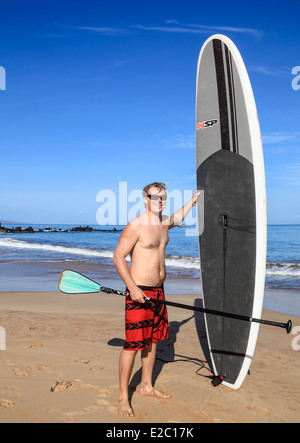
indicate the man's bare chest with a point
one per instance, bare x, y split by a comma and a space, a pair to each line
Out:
154, 237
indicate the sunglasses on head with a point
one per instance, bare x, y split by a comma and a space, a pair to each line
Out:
156, 197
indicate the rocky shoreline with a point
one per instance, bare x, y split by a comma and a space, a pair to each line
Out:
31, 230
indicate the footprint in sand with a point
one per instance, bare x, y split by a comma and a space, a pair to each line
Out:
20, 373
60, 386
8, 363
12, 391
72, 416
6, 403
103, 393
36, 345
82, 360
43, 368
96, 368
103, 403
101, 396
257, 410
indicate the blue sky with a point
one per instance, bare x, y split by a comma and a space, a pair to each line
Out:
101, 92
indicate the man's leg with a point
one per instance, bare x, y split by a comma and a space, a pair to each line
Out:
148, 360
125, 369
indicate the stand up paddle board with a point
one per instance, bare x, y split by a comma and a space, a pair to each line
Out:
230, 171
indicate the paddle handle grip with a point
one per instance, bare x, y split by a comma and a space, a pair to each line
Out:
113, 291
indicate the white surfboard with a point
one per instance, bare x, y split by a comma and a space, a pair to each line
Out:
230, 170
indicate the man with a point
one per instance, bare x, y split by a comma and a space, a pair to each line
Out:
145, 238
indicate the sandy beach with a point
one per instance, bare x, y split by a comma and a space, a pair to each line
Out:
61, 366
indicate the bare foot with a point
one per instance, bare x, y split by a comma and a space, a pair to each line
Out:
152, 392
124, 409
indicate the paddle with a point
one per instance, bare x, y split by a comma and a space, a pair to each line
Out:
71, 282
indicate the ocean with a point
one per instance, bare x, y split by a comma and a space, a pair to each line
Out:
33, 261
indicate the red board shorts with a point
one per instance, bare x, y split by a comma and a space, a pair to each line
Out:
146, 323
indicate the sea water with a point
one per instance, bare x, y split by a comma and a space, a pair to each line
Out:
57, 247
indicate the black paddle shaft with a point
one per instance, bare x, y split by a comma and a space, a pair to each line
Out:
287, 326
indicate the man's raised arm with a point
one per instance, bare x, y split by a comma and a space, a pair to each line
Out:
178, 217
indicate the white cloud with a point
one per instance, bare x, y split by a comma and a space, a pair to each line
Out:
189, 28
170, 26
103, 30
178, 141
279, 137
294, 173
271, 71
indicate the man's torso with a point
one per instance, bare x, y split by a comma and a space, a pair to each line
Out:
148, 255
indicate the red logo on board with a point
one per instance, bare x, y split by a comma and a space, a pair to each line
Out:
207, 124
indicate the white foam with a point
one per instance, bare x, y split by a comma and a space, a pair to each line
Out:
183, 262
283, 269
20, 244
173, 261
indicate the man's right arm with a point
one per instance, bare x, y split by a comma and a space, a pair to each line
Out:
125, 246
178, 217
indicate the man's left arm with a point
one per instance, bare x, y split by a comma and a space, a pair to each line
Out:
178, 217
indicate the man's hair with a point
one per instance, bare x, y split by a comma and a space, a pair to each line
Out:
160, 186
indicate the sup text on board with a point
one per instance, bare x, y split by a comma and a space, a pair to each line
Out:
2, 339
296, 80
2, 79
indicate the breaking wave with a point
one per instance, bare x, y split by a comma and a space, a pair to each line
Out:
279, 270
20, 244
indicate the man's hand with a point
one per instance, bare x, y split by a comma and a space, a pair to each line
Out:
137, 295
195, 197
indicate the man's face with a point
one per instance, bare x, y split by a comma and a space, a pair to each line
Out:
156, 200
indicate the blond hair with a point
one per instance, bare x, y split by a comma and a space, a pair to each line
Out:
160, 186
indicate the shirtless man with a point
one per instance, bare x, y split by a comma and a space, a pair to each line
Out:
145, 238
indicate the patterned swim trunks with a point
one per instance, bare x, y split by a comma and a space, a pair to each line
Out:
146, 323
